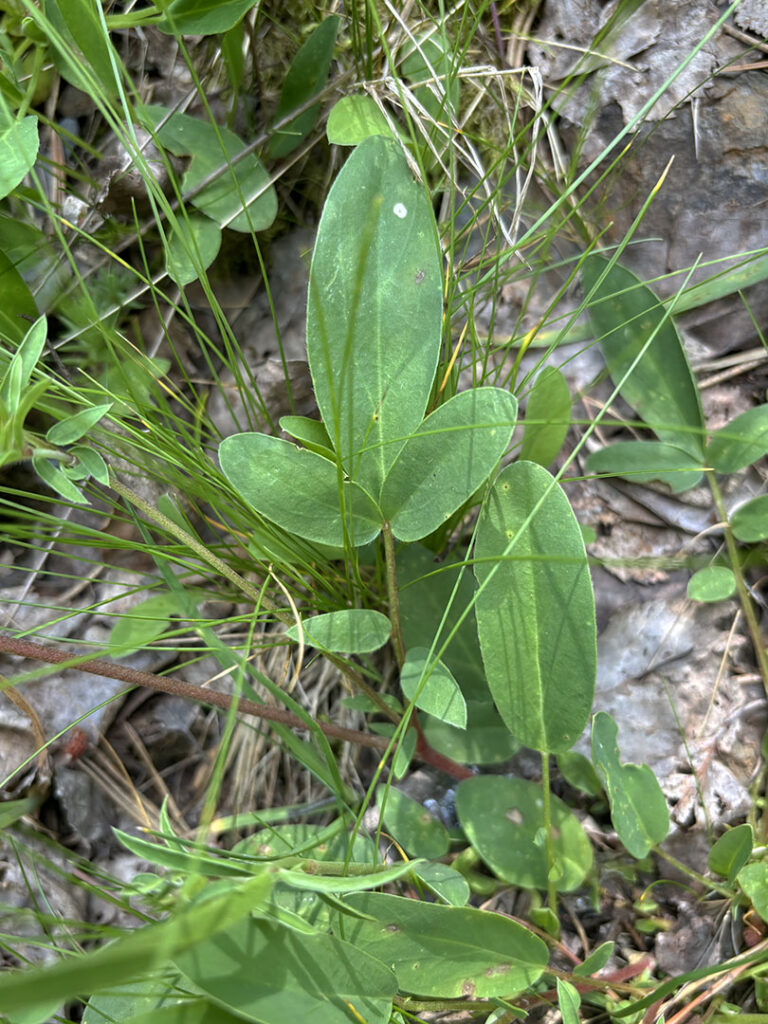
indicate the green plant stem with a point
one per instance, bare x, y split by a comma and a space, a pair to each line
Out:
547, 809
745, 600
708, 883
394, 602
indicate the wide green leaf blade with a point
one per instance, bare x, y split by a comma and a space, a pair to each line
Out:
749, 521
71, 429
374, 314
203, 17
350, 631
640, 461
741, 442
353, 119
446, 459
84, 52
445, 952
504, 821
305, 78
753, 879
440, 695
638, 808
484, 740
271, 974
547, 417
536, 611
731, 851
659, 382
711, 584
297, 489
411, 825
193, 245
18, 152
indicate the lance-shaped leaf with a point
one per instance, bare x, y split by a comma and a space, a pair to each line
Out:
446, 459
297, 489
374, 313
446, 952
638, 808
654, 375
535, 611
640, 461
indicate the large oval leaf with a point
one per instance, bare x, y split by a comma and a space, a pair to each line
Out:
374, 313
271, 974
446, 459
535, 611
504, 821
297, 489
446, 952
654, 376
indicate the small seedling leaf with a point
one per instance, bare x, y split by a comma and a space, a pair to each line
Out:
446, 459
411, 825
305, 78
731, 851
349, 631
596, 960
659, 382
715, 583
353, 119
93, 464
741, 442
203, 17
536, 611
750, 521
547, 417
504, 821
569, 1001
638, 808
440, 695
639, 461
57, 481
299, 977
310, 433
18, 152
297, 489
374, 315
446, 952
74, 427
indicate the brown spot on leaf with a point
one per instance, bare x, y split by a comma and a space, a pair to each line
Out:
515, 815
497, 969
468, 989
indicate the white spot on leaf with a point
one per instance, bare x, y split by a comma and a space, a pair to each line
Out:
399, 210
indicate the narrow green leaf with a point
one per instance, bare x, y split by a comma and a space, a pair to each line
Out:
411, 825
193, 245
85, 45
715, 583
731, 851
536, 612
445, 882
57, 481
308, 881
93, 464
349, 631
446, 459
440, 695
297, 489
596, 960
660, 385
753, 879
74, 427
638, 808
353, 119
749, 521
18, 152
569, 1001
271, 974
18, 305
504, 821
547, 417
640, 461
374, 315
203, 17
305, 78
741, 442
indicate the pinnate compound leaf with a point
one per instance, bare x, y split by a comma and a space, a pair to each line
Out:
305, 78
660, 386
446, 952
203, 17
446, 459
18, 152
749, 521
638, 808
353, 119
411, 825
731, 851
349, 631
504, 821
271, 974
536, 611
297, 489
640, 461
715, 583
374, 313
547, 417
440, 695
741, 442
